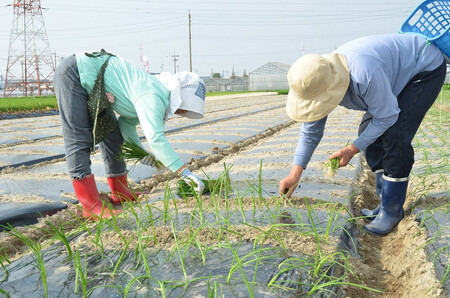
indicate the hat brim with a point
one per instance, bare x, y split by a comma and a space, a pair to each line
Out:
314, 109
194, 105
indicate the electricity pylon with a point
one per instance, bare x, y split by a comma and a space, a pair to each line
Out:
30, 66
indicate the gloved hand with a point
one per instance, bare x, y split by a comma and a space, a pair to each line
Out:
189, 177
149, 160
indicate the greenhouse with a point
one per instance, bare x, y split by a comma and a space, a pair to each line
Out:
270, 76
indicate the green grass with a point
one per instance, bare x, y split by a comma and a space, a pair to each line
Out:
443, 98
219, 93
40, 103
28, 104
446, 87
283, 92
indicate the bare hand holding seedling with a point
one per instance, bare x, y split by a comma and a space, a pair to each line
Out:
344, 155
288, 184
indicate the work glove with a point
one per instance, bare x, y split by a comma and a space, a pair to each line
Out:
189, 178
149, 160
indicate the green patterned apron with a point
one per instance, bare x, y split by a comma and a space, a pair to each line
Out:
102, 117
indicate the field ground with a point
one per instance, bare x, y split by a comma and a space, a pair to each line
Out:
242, 240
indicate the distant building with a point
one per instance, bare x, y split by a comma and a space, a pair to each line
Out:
216, 84
270, 76
239, 84
222, 84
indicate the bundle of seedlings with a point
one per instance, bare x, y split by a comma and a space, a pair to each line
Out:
331, 166
223, 183
131, 151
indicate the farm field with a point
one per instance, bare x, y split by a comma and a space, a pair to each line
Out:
240, 240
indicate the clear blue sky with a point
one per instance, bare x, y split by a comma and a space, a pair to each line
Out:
244, 34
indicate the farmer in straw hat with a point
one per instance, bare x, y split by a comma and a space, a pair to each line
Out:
393, 78
91, 88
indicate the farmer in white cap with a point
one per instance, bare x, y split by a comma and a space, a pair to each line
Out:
91, 88
393, 78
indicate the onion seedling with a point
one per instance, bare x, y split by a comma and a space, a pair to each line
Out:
131, 151
332, 166
186, 190
80, 274
4, 259
35, 248
212, 186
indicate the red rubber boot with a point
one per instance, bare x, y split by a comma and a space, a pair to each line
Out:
87, 193
120, 191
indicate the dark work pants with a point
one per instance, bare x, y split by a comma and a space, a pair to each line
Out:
393, 151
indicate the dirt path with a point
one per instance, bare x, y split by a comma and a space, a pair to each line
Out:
397, 263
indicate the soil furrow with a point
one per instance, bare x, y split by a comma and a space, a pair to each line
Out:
396, 263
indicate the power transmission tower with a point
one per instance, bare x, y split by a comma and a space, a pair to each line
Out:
30, 66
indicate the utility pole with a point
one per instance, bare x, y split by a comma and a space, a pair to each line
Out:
175, 59
190, 48
144, 60
30, 65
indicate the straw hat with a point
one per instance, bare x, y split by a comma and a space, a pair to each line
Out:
317, 85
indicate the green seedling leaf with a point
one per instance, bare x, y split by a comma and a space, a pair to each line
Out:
332, 166
131, 151
187, 190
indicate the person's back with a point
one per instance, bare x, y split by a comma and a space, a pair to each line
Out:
399, 56
393, 78
126, 81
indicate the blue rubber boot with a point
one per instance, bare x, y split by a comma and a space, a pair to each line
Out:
391, 211
370, 214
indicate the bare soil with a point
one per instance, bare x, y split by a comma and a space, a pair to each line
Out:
396, 263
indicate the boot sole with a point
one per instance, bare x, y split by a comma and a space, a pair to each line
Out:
123, 199
381, 234
372, 217
375, 233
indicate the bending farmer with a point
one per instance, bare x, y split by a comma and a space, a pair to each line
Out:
393, 78
91, 88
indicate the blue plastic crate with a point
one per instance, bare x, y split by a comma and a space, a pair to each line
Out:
431, 19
